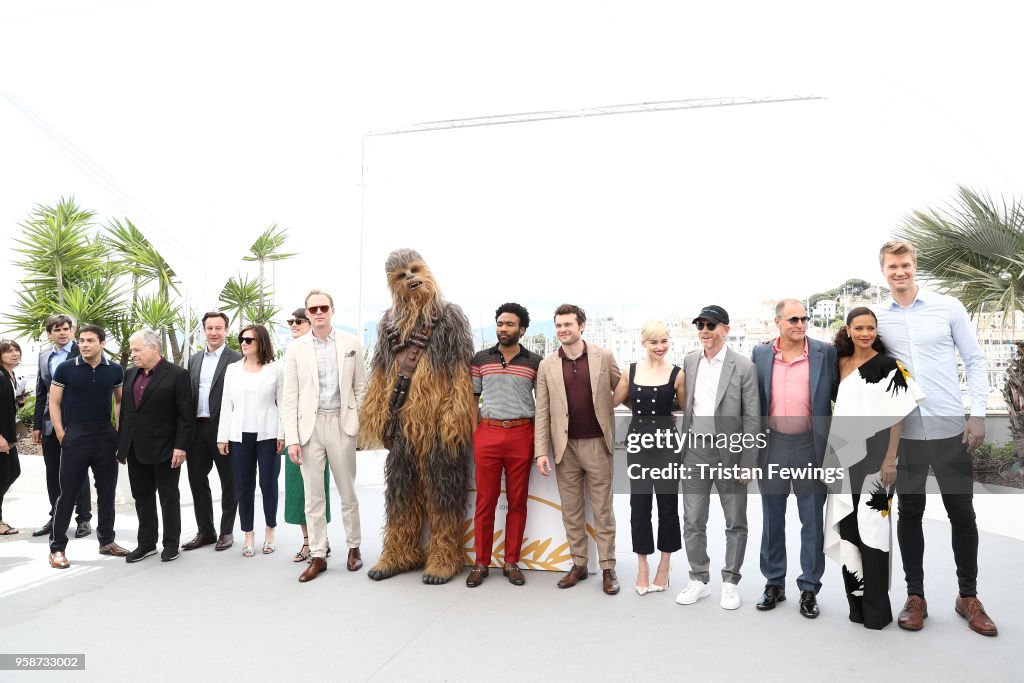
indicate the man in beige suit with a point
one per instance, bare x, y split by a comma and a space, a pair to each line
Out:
574, 418
324, 386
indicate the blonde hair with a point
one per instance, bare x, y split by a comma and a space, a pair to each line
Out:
314, 292
653, 329
897, 248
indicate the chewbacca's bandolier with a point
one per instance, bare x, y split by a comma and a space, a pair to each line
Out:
419, 403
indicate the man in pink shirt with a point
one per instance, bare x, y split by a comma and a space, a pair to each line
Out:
797, 378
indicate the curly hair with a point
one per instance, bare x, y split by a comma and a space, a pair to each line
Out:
842, 341
516, 310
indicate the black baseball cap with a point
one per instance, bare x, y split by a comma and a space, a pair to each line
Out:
714, 314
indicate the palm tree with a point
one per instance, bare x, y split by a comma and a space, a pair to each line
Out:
974, 248
56, 248
265, 249
239, 297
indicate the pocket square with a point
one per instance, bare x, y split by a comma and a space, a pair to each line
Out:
351, 353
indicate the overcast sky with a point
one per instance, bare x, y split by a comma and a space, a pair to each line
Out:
204, 122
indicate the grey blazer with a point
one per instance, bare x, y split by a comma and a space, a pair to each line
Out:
737, 407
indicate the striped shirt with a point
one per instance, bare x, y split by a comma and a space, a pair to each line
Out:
327, 372
507, 387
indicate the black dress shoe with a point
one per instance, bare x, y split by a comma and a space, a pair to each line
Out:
84, 529
44, 530
771, 596
169, 554
808, 604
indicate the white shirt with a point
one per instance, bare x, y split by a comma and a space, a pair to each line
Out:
209, 368
926, 336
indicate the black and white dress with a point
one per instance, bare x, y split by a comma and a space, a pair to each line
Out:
858, 526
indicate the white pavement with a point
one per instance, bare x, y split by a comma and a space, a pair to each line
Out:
216, 614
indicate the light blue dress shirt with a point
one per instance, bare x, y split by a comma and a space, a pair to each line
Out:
210, 361
58, 356
926, 336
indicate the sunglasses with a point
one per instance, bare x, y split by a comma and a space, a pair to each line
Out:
701, 325
313, 310
296, 321
246, 340
794, 320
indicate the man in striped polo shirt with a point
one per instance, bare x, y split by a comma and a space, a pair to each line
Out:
505, 375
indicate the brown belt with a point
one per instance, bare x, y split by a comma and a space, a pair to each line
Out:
506, 423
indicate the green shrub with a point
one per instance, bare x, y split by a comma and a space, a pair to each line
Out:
1002, 451
27, 412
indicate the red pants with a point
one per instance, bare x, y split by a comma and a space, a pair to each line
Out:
495, 448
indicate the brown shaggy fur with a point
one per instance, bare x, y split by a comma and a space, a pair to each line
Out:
426, 466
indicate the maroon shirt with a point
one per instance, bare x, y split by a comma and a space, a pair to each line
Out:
579, 395
142, 381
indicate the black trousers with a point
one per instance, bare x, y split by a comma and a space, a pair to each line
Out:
51, 459
202, 456
91, 445
10, 469
146, 480
953, 470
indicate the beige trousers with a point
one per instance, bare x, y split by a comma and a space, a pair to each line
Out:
329, 443
586, 463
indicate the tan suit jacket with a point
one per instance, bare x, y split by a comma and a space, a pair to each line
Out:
552, 417
302, 386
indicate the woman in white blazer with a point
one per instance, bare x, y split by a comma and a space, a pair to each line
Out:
250, 428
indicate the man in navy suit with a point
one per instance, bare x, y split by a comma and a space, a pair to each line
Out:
61, 331
797, 377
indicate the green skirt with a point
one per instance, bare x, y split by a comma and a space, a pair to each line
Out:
295, 494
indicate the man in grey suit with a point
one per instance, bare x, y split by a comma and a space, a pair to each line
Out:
61, 331
721, 403
797, 379
206, 369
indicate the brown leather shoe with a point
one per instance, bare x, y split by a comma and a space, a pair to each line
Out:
477, 575
611, 581
515, 576
59, 561
224, 541
913, 614
576, 574
973, 611
316, 565
355, 561
199, 541
113, 549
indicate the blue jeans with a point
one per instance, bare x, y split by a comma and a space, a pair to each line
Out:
792, 452
249, 454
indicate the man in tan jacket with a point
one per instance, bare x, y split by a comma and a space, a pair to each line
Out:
324, 386
574, 420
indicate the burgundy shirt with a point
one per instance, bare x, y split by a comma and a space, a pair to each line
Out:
579, 395
142, 381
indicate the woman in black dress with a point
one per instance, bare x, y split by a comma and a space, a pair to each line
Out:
649, 389
10, 466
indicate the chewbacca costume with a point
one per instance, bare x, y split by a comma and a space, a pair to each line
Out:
419, 404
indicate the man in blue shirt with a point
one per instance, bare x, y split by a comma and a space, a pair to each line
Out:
61, 331
925, 331
82, 394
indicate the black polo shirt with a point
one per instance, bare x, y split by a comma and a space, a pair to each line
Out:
88, 391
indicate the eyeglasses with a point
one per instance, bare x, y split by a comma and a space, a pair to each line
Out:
795, 320
246, 340
313, 310
701, 325
295, 321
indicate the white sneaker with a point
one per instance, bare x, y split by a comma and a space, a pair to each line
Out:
694, 591
730, 596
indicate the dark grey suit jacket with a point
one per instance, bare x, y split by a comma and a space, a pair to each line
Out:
195, 366
737, 406
41, 416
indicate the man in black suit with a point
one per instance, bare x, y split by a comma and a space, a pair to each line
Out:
206, 369
61, 331
156, 428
